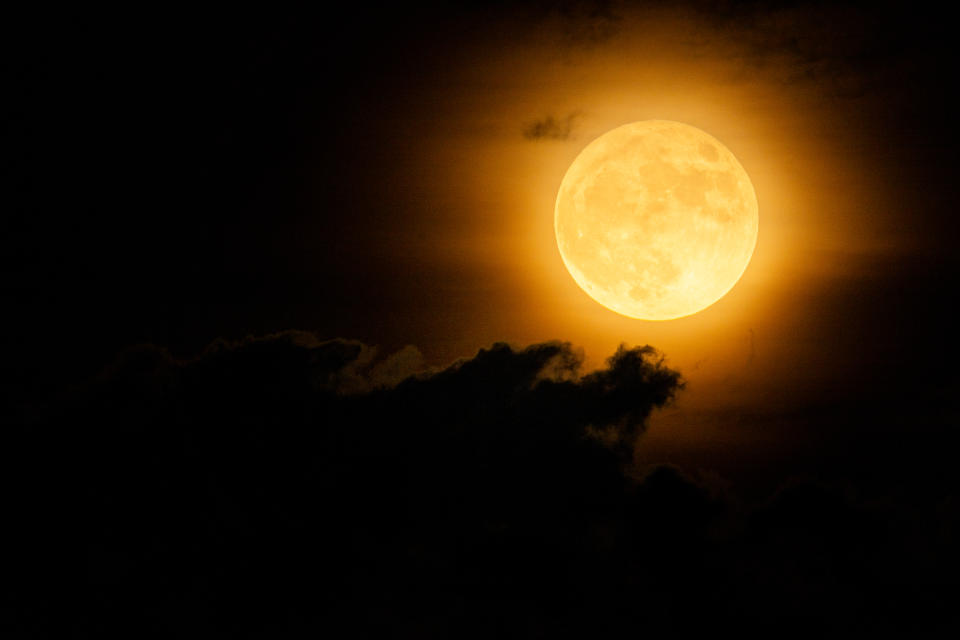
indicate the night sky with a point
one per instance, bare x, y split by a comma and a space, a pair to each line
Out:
289, 347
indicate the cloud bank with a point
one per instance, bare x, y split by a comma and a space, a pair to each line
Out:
286, 485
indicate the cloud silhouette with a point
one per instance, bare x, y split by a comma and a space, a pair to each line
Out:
584, 24
285, 484
845, 48
551, 128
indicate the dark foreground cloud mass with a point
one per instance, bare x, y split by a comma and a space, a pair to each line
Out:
284, 485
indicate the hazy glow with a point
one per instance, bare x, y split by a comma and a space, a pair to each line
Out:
656, 220
482, 200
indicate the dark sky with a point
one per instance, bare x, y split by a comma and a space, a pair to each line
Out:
371, 174
387, 175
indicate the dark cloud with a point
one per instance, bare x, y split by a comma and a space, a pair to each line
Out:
585, 24
849, 49
235, 489
285, 484
551, 128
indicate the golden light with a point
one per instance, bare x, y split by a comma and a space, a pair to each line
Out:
656, 220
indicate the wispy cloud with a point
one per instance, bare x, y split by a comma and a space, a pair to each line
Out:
551, 127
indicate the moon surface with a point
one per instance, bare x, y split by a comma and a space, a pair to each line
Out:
656, 220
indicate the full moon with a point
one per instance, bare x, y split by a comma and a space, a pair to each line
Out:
656, 220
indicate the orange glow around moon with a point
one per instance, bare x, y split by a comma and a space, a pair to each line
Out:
656, 220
